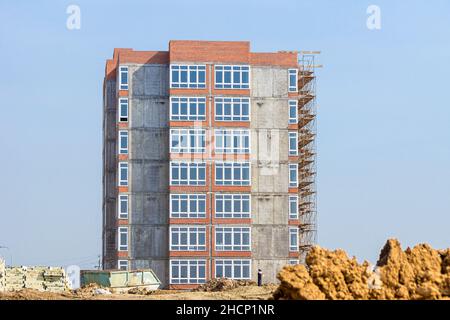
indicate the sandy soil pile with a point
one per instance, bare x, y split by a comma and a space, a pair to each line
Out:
223, 284
418, 273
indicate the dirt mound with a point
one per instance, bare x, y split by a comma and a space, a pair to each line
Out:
140, 291
223, 284
418, 273
87, 290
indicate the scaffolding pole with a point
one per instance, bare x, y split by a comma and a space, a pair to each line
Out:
307, 152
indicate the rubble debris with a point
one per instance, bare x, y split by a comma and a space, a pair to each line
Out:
140, 291
223, 284
88, 290
101, 291
418, 273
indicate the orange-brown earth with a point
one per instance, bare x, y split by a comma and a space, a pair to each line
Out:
418, 273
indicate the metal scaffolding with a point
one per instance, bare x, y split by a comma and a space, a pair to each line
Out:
307, 152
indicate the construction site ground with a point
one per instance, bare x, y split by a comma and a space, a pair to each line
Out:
251, 292
417, 273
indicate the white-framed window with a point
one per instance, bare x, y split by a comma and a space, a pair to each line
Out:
187, 173
188, 205
294, 262
122, 264
123, 109
293, 112
293, 84
293, 238
232, 76
187, 140
187, 108
232, 173
293, 207
123, 239
187, 76
232, 109
231, 205
232, 238
123, 173
123, 78
187, 238
123, 142
187, 271
233, 268
293, 175
123, 206
293, 143
232, 141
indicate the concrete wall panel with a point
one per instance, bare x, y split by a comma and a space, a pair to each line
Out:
149, 241
270, 209
149, 208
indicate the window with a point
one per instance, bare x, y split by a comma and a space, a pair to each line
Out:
232, 109
187, 76
293, 112
293, 143
187, 173
233, 269
232, 141
123, 206
188, 205
293, 262
187, 109
187, 140
293, 239
293, 175
122, 264
232, 173
123, 239
232, 77
187, 238
187, 271
233, 238
123, 109
123, 174
293, 80
123, 142
123, 78
232, 205
293, 207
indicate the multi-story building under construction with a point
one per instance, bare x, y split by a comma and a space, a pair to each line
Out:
208, 161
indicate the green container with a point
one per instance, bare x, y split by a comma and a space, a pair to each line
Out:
118, 279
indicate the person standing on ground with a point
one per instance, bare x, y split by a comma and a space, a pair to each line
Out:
260, 274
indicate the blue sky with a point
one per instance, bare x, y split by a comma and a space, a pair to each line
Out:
383, 123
